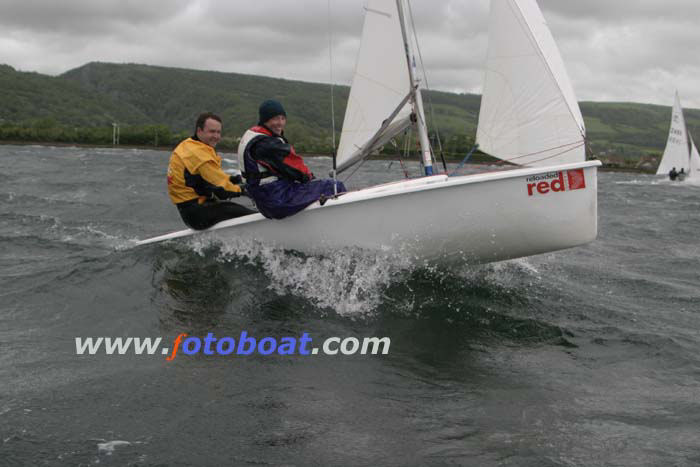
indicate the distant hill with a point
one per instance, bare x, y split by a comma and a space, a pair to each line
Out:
28, 97
620, 128
175, 96
98, 94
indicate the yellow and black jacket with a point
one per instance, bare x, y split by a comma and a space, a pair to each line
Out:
195, 172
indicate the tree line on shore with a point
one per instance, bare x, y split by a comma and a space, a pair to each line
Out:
49, 131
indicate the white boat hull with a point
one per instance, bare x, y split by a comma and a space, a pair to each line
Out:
480, 218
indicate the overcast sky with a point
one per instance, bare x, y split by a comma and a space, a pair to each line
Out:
614, 50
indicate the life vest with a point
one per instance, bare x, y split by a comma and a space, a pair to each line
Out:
257, 172
253, 170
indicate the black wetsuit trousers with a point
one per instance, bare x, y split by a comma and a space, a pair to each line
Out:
202, 216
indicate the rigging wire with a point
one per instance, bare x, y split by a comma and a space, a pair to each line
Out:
465, 160
588, 150
357, 167
407, 135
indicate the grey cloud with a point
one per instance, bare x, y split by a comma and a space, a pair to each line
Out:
75, 17
613, 49
623, 11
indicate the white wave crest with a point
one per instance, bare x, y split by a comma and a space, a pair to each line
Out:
351, 281
109, 446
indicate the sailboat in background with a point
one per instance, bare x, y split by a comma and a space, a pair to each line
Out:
694, 170
529, 116
680, 152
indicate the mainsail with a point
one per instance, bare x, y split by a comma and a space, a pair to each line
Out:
529, 114
380, 84
676, 153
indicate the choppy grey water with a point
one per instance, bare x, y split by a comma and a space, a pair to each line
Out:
586, 357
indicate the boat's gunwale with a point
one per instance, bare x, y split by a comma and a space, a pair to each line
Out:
387, 190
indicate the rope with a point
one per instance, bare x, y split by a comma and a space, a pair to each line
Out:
464, 161
569, 146
357, 167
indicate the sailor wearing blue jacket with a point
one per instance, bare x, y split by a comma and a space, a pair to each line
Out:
277, 178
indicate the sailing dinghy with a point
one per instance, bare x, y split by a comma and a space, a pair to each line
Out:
680, 152
529, 116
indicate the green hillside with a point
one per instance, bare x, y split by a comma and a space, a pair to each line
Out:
151, 99
634, 129
31, 97
175, 97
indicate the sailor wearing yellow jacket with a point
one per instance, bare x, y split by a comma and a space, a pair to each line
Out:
196, 183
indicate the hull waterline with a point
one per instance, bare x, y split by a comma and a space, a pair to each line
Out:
481, 218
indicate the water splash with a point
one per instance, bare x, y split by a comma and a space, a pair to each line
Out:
359, 283
351, 281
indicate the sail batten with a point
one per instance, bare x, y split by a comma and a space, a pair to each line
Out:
528, 106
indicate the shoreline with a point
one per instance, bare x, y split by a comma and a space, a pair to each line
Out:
604, 168
83, 145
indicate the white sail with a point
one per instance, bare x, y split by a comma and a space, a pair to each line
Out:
676, 152
380, 83
529, 113
539, 209
694, 171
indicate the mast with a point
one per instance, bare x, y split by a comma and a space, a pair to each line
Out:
417, 99
334, 173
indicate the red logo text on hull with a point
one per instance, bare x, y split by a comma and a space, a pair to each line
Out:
555, 182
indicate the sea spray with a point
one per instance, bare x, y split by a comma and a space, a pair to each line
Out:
355, 282
351, 281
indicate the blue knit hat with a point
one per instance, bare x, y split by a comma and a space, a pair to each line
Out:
270, 109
